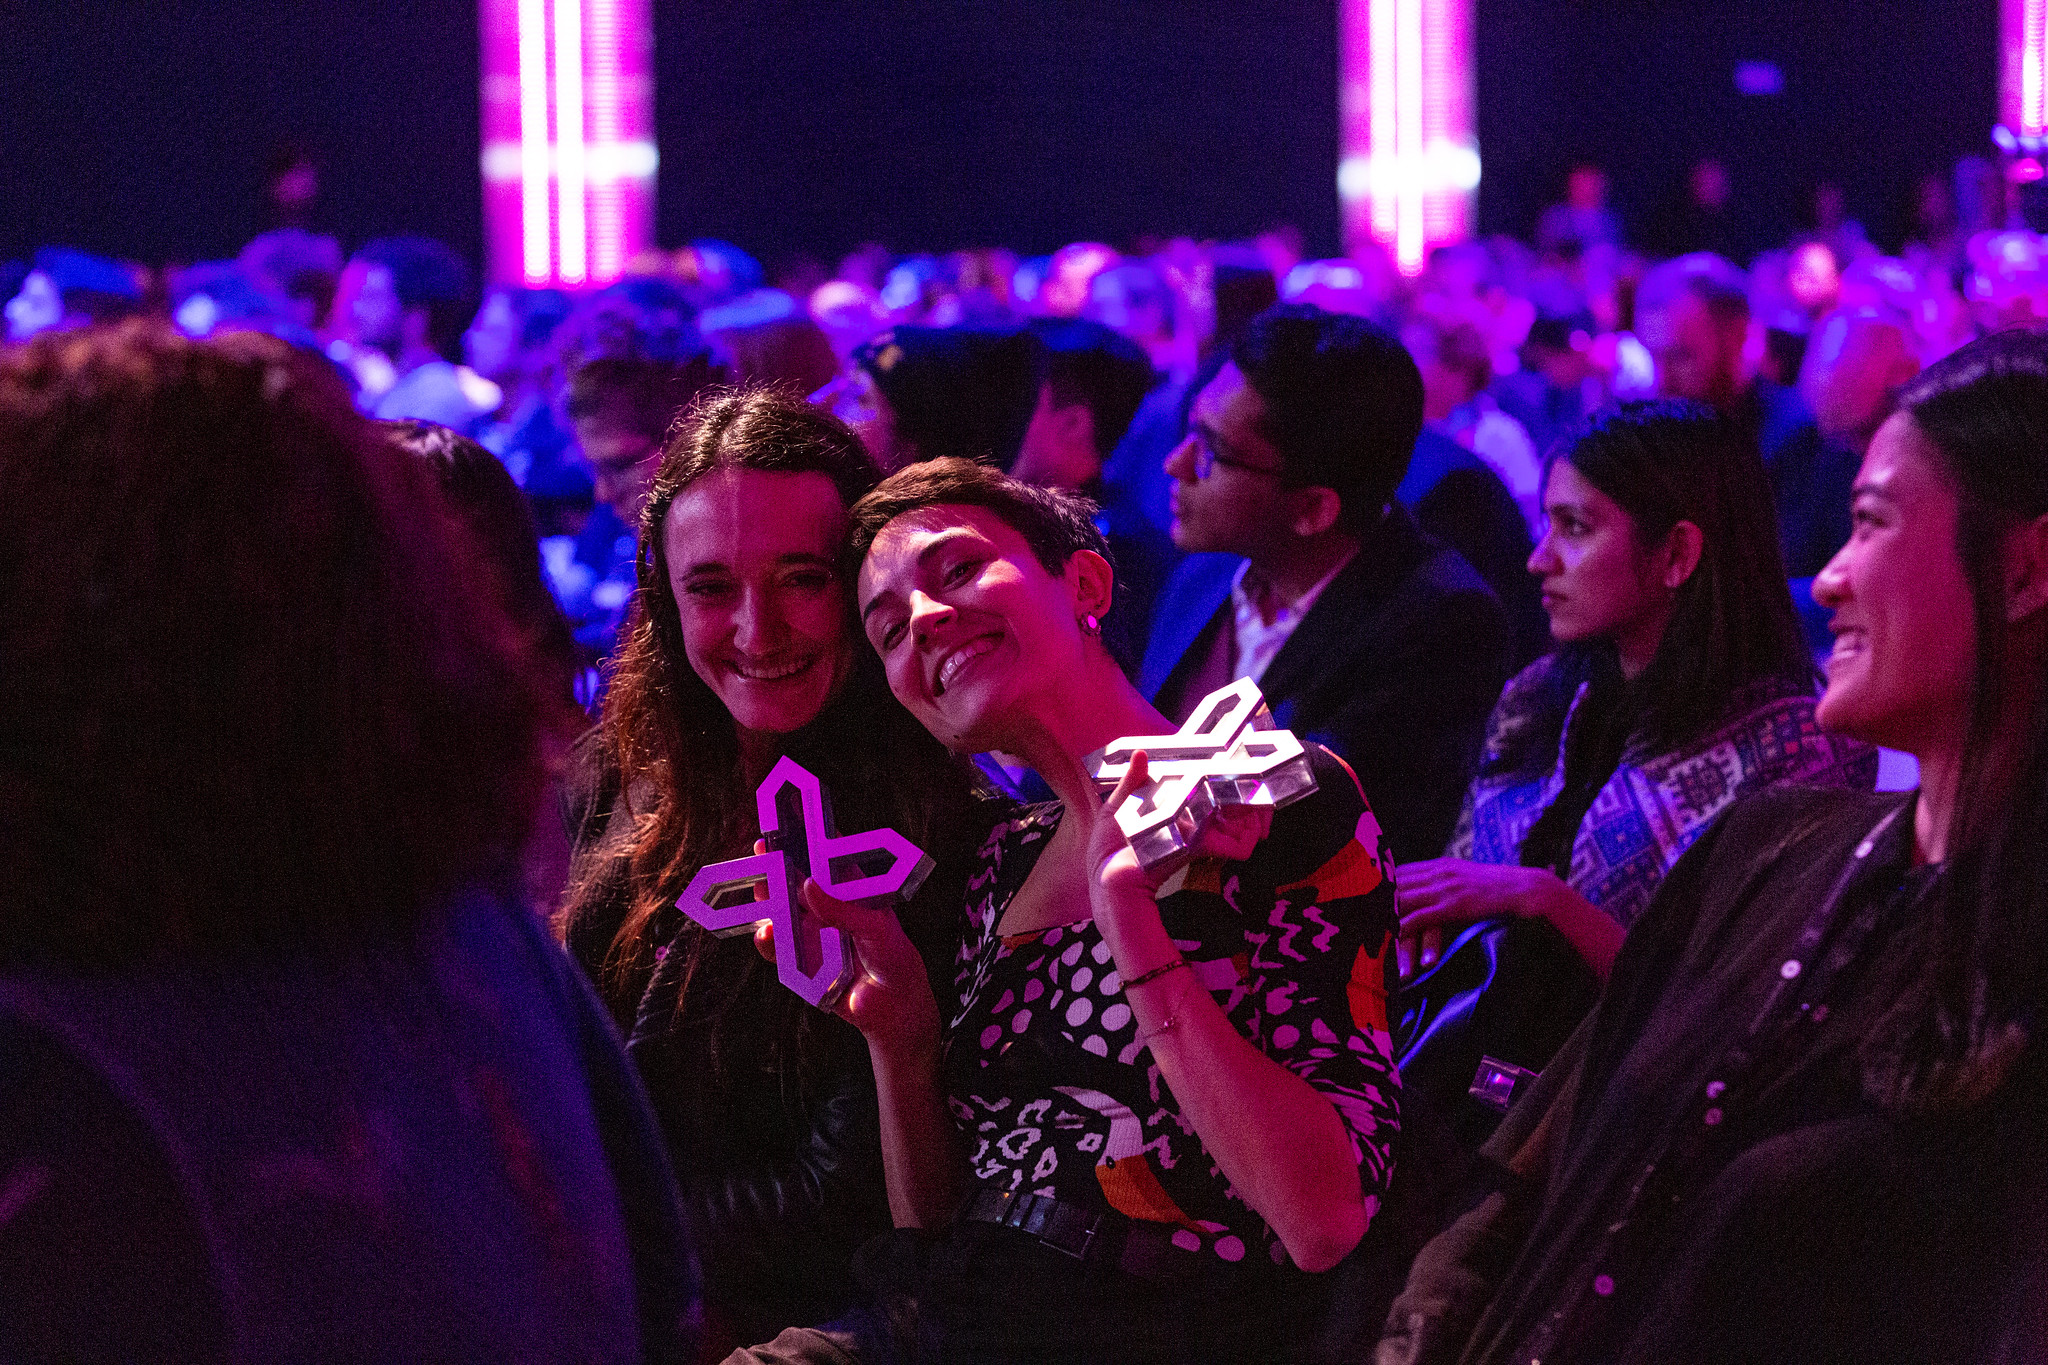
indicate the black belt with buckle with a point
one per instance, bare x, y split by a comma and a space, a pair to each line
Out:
1096, 1236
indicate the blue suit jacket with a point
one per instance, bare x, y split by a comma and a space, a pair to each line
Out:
1396, 667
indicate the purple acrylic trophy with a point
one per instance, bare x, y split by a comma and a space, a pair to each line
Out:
811, 959
1227, 754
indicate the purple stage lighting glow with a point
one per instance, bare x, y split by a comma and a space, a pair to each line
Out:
568, 138
1410, 164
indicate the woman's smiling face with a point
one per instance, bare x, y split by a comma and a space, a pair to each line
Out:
974, 634
1904, 622
751, 559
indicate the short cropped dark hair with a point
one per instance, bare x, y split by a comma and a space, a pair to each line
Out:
1054, 524
1343, 402
1088, 363
1711, 279
428, 274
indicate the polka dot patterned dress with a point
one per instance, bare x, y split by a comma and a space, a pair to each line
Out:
1044, 1069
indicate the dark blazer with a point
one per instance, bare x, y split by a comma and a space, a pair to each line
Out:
1395, 667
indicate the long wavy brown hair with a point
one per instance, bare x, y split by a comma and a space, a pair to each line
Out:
675, 749
256, 696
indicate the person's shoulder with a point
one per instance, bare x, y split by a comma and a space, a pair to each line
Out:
1761, 825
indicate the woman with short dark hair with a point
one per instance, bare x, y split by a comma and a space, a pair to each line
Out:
288, 1068
1152, 1111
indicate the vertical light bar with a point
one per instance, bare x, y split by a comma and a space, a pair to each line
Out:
1409, 164
2035, 114
601, 63
2023, 66
533, 142
1382, 145
571, 208
1408, 240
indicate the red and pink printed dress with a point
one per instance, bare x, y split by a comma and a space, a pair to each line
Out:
1044, 1071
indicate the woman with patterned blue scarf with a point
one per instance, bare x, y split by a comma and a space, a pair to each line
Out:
1680, 681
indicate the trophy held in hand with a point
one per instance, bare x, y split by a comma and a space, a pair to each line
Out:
796, 823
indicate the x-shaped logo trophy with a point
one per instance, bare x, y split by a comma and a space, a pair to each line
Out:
810, 959
1227, 754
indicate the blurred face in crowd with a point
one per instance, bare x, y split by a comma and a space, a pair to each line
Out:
1698, 356
1600, 582
1445, 388
751, 559
378, 311
1059, 445
36, 308
1902, 668
492, 342
855, 399
973, 633
1853, 369
1587, 187
1227, 492
622, 463
1709, 184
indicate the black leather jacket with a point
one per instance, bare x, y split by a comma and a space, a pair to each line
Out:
780, 1176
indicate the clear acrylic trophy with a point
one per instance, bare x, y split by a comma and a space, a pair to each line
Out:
1227, 754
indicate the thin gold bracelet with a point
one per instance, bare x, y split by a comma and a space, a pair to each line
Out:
1156, 973
1172, 1022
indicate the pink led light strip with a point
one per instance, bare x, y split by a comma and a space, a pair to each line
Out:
569, 157
1409, 165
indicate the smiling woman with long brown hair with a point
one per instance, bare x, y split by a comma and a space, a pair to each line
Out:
741, 648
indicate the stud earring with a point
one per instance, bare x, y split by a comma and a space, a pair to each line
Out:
1091, 625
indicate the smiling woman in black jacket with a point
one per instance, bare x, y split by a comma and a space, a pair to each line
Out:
742, 648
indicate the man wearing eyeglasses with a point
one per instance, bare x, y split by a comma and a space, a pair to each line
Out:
1306, 576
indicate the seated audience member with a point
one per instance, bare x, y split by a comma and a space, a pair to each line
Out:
1693, 316
1455, 372
1154, 1127
1556, 387
1806, 1121
219, 296
1070, 280
1134, 299
1095, 381
1305, 576
766, 338
743, 649
1583, 220
500, 534
297, 266
412, 303
1853, 371
848, 314
1242, 287
65, 289
1680, 683
629, 368
927, 393
289, 1069
510, 344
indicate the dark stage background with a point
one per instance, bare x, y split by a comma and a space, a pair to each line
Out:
141, 128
